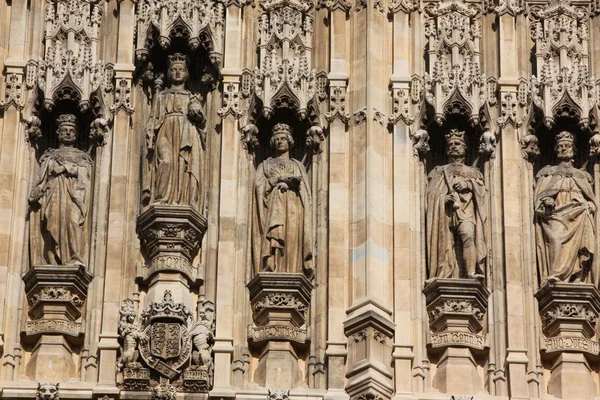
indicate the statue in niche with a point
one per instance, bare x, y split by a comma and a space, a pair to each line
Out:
203, 338
60, 200
176, 139
282, 230
565, 205
456, 215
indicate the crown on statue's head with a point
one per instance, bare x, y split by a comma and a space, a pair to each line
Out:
66, 119
177, 58
565, 136
455, 134
281, 128
127, 308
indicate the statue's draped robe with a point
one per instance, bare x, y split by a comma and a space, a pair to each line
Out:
568, 232
177, 163
282, 229
59, 228
442, 219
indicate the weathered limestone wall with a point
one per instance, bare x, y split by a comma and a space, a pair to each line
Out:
172, 300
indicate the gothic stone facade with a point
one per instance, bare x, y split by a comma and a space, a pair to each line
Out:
299, 199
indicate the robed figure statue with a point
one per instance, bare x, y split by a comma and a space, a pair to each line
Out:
456, 215
176, 142
282, 229
60, 200
565, 205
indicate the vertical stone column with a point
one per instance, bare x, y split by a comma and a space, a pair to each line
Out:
569, 313
338, 118
369, 327
14, 173
123, 158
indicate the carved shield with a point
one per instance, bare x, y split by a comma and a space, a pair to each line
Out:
166, 340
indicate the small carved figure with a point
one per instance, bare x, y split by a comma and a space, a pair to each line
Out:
421, 143
487, 144
565, 204
47, 391
282, 237
202, 333
529, 147
176, 139
131, 334
60, 201
456, 215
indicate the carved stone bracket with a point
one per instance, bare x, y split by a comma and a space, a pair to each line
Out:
231, 101
405, 6
47, 391
171, 237
122, 101
369, 356
55, 293
201, 22
13, 92
337, 105
280, 303
569, 313
456, 309
336, 5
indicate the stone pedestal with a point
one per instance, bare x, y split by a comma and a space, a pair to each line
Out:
569, 313
56, 295
170, 236
280, 303
456, 309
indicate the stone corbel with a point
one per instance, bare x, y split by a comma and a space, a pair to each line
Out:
231, 99
337, 98
14, 95
336, 5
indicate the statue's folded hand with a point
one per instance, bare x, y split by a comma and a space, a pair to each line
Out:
591, 207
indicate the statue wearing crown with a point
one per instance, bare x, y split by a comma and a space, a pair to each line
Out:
564, 205
176, 137
282, 235
456, 215
60, 200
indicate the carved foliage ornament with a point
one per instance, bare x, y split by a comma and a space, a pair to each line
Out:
70, 68
200, 22
562, 85
457, 306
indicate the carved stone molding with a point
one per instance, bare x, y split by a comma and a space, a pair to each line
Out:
47, 391
337, 105
510, 7
122, 101
454, 84
13, 92
231, 101
405, 6
200, 22
170, 238
336, 5
562, 85
164, 392
70, 69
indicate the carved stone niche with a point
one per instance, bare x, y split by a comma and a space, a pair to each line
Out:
456, 309
171, 237
280, 304
56, 295
569, 313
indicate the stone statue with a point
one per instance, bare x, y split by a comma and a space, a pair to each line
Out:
564, 205
131, 334
60, 201
282, 231
176, 141
202, 334
456, 215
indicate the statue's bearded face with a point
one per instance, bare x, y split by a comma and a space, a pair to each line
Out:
178, 73
455, 148
67, 134
564, 150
